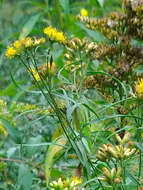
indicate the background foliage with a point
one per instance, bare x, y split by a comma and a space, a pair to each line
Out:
24, 113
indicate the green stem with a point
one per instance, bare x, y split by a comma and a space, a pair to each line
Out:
58, 8
140, 114
52, 103
123, 173
83, 75
76, 119
59, 114
140, 164
113, 186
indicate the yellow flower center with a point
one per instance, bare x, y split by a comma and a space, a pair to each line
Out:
84, 12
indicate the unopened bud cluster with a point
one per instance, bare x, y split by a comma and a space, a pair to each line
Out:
43, 71
75, 47
113, 26
121, 151
111, 176
103, 25
121, 56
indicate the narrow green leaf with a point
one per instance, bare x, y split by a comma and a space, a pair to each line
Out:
29, 25
91, 110
65, 5
95, 35
101, 2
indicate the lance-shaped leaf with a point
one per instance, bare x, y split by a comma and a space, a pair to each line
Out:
52, 152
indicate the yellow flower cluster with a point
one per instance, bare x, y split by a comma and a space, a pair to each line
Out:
19, 45
22, 107
27, 42
83, 12
139, 88
2, 130
121, 151
76, 180
44, 70
54, 35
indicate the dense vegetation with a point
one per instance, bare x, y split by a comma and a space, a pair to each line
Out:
71, 96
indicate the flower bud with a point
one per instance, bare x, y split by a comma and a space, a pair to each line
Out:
112, 152
119, 171
106, 173
125, 138
117, 180
112, 172
67, 56
118, 138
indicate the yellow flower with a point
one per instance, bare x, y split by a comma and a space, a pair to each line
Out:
76, 180
42, 40
17, 44
139, 88
22, 40
49, 31
28, 42
84, 12
35, 74
38, 41
60, 37
2, 130
54, 35
10, 52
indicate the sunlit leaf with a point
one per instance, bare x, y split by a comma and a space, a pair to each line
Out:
101, 2
53, 150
